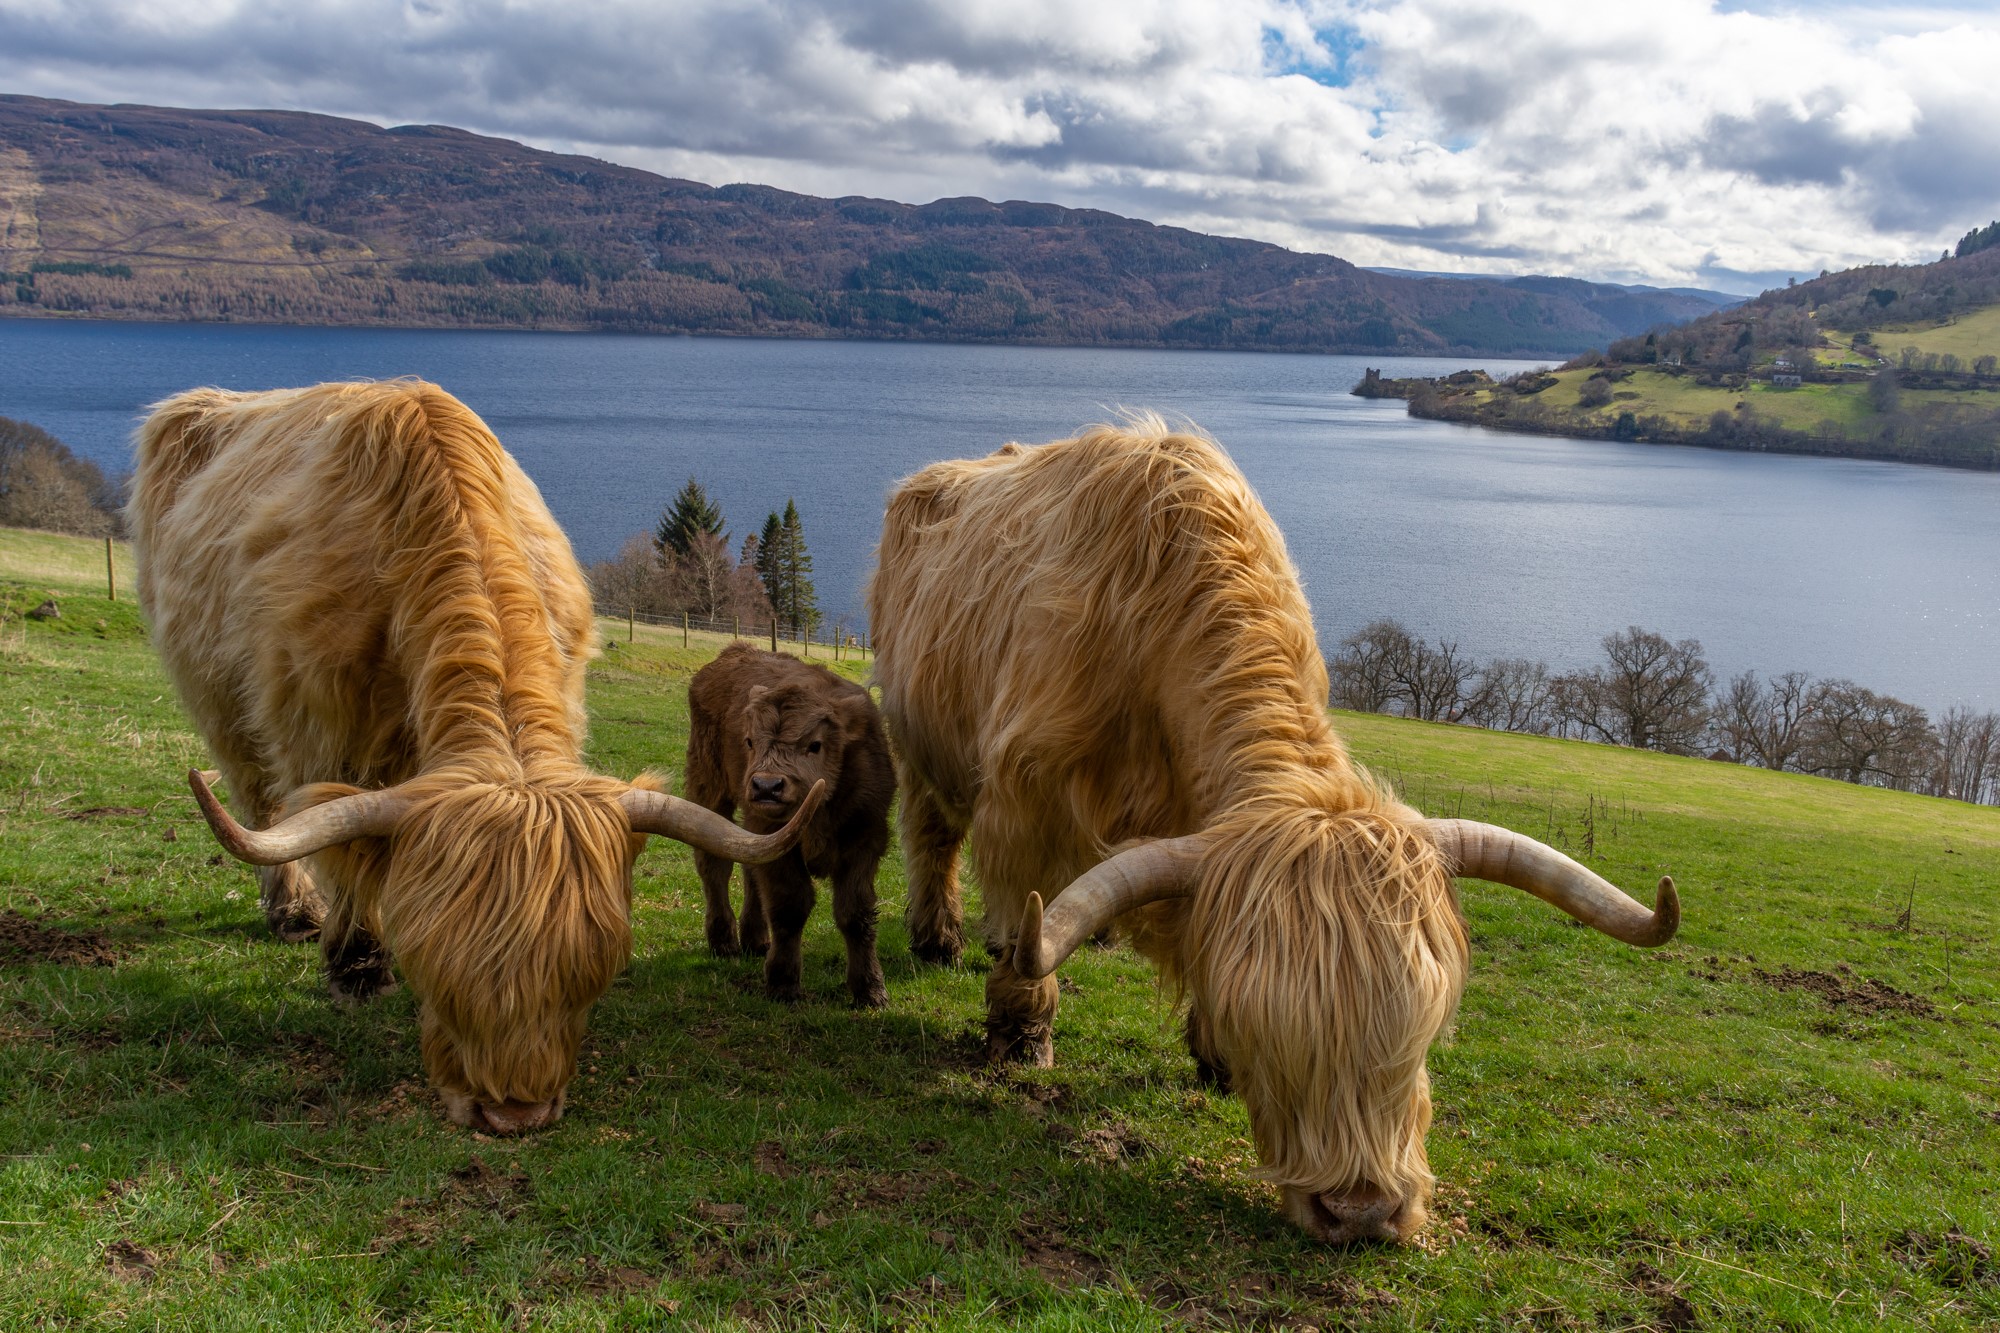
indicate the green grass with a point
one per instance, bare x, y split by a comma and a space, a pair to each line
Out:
194, 1137
1968, 336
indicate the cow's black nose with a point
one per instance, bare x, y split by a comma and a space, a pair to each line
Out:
766, 789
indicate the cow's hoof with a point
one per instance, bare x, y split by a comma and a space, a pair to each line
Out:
755, 948
871, 996
351, 990
1036, 1051
784, 994
937, 952
722, 942
291, 929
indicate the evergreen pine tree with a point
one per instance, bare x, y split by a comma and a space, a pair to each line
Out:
801, 606
692, 512
769, 548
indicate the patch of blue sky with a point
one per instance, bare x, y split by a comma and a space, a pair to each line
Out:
1333, 59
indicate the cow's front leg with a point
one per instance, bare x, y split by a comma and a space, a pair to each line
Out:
1020, 1015
785, 892
1208, 1066
356, 962
934, 912
291, 901
854, 914
717, 915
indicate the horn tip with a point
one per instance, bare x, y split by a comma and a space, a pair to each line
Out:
1666, 912
1028, 941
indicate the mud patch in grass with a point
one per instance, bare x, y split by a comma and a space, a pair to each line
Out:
1952, 1258
1851, 994
24, 940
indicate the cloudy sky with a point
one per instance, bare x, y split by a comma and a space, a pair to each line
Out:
1670, 141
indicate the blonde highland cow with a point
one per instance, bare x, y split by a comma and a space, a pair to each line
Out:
381, 632
1096, 659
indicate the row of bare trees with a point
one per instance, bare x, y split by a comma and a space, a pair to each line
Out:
1654, 693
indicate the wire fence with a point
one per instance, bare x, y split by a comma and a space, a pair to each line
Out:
837, 642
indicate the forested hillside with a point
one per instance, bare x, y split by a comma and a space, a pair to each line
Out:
149, 213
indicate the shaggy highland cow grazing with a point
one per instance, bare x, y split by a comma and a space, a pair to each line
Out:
1095, 657
380, 631
764, 729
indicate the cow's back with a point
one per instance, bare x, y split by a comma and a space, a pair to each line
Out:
342, 578
1054, 622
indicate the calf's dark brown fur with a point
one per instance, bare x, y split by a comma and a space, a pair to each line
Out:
765, 727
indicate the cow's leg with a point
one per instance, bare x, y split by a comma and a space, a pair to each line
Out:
785, 892
1020, 1015
292, 902
357, 964
756, 924
720, 918
1208, 1066
854, 914
934, 913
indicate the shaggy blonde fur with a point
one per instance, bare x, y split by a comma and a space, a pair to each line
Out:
353, 586
1100, 640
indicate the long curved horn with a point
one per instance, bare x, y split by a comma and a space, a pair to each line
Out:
367, 814
1136, 876
1489, 852
699, 826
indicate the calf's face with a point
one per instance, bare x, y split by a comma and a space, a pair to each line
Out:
793, 737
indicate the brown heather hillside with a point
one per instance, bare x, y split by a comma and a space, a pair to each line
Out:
149, 213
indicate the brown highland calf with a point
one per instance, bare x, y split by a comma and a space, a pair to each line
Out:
378, 627
1095, 657
764, 729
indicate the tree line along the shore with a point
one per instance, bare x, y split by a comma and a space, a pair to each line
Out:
688, 567
1652, 693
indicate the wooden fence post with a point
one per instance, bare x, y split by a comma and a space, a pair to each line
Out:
684, 629
736, 627
110, 573
631, 620
774, 631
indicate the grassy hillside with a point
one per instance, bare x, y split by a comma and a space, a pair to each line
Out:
1786, 1119
132, 212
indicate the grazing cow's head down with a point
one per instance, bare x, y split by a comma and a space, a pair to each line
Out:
794, 736
1148, 683
507, 905
354, 583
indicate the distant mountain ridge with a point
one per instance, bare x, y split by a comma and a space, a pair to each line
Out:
276, 216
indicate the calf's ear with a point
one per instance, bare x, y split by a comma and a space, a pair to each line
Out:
853, 716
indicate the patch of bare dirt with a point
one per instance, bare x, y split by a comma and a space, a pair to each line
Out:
602, 1279
1115, 1142
475, 1186
129, 1261
771, 1160
1671, 1308
103, 812
1951, 1258
1861, 995
25, 940
1050, 1252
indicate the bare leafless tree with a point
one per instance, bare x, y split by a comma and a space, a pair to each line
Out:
1968, 749
1383, 668
1857, 735
1652, 694
1363, 671
632, 580
1764, 723
1512, 694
